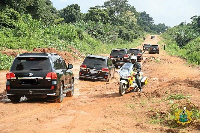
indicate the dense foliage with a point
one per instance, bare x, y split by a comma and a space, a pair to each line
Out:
5, 61
184, 40
28, 24
39, 9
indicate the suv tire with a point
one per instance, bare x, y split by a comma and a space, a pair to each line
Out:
15, 99
60, 96
71, 93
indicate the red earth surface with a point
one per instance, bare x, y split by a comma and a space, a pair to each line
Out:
98, 107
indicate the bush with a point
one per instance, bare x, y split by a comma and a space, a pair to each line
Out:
190, 51
5, 61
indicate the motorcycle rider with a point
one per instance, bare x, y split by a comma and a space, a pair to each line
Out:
137, 67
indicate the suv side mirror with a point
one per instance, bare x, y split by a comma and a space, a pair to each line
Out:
70, 66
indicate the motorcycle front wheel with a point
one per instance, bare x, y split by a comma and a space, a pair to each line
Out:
122, 89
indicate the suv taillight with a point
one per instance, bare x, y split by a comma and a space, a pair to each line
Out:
126, 56
111, 57
105, 70
51, 75
83, 66
10, 75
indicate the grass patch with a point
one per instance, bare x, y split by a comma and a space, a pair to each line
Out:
176, 97
156, 117
171, 117
130, 106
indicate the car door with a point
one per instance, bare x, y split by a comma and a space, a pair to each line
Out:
58, 66
69, 75
66, 74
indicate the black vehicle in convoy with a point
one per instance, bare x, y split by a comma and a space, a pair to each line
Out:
39, 75
97, 68
146, 47
136, 52
154, 49
119, 57
152, 37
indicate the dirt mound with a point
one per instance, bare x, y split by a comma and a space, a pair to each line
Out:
69, 57
13, 53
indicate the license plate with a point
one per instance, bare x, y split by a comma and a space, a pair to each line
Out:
93, 72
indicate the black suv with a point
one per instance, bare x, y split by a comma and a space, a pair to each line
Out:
119, 57
146, 47
39, 75
154, 49
152, 37
97, 68
136, 52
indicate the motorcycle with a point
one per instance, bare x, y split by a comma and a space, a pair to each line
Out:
127, 79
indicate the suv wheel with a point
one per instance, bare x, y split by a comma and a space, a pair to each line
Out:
71, 93
108, 79
15, 99
60, 97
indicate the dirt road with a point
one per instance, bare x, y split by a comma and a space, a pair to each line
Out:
97, 106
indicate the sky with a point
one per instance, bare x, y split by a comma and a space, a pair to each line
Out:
169, 12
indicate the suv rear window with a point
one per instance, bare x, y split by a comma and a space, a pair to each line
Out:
31, 64
92, 62
118, 52
135, 51
155, 46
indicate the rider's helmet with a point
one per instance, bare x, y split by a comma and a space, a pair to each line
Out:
133, 59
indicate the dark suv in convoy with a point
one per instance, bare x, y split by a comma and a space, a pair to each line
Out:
39, 75
119, 57
97, 68
136, 52
146, 47
154, 49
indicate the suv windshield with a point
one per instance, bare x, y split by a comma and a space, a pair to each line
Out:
135, 51
92, 62
118, 52
31, 64
147, 45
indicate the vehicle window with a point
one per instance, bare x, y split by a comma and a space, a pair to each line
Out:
118, 52
59, 64
155, 46
127, 66
92, 62
134, 51
31, 64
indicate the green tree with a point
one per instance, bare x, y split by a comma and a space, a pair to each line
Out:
97, 15
196, 23
145, 21
118, 6
8, 18
159, 28
39, 9
71, 13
